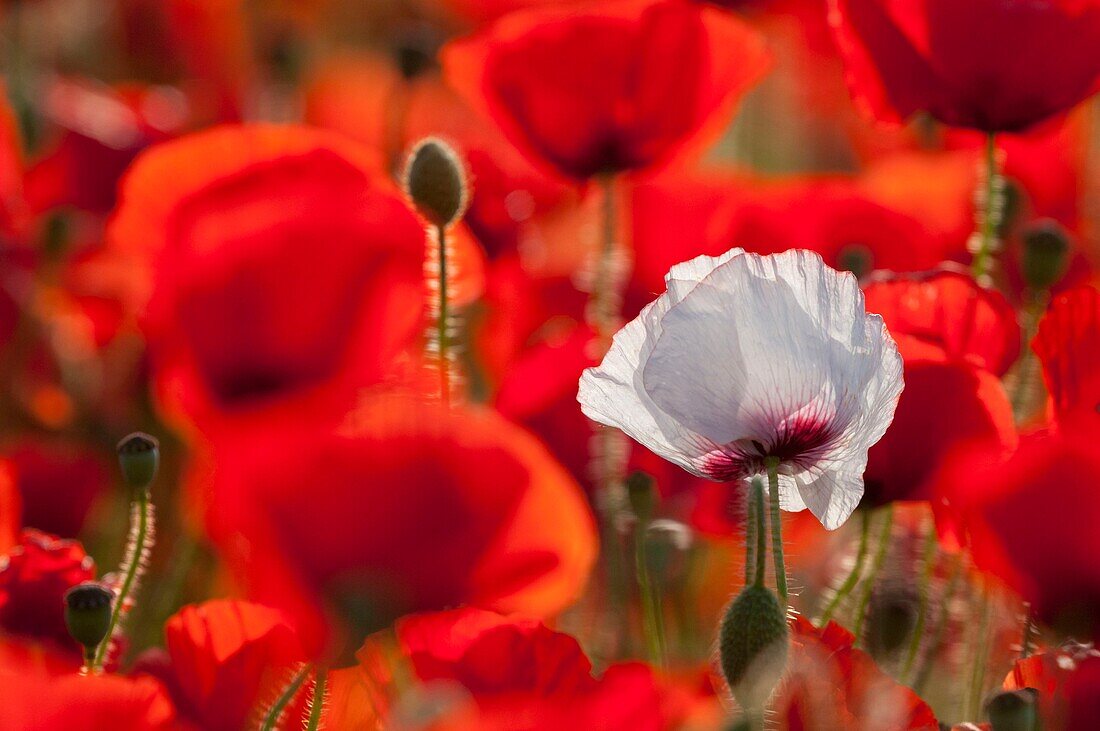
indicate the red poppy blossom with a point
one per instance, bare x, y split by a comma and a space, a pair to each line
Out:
1068, 681
831, 684
956, 339
515, 673
34, 576
275, 267
320, 523
608, 87
1028, 515
985, 64
226, 657
11, 508
37, 698
1068, 346
58, 481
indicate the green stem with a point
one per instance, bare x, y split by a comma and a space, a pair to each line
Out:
133, 567
990, 214
604, 295
928, 563
441, 323
652, 614
941, 625
772, 464
275, 712
759, 530
852, 579
981, 658
750, 535
876, 565
317, 703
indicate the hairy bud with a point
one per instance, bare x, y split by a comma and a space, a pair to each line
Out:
1046, 250
435, 182
752, 644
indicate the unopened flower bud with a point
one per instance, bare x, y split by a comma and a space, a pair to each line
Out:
643, 498
1046, 250
891, 618
1014, 710
752, 644
88, 613
139, 457
435, 182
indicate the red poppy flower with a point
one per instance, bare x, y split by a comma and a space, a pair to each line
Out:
58, 482
830, 684
1068, 681
368, 99
1068, 346
226, 657
990, 65
34, 576
1027, 515
316, 520
11, 507
607, 87
39, 699
101, 130
956, 339
276, 267
515, 673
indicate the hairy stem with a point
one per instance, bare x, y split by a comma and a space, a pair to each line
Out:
759, 530
852, 579
133, 565
275, 712
652, 614
872, 574
317, 701
985, 242
981, 657
772, 464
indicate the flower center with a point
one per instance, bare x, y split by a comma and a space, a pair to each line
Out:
798, 442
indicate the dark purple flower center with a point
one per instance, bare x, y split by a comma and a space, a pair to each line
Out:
798, 442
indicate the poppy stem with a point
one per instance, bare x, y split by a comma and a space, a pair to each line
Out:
441, 321
876, 566
133, 565
772, 464
759, 530
985, 241
317, 700
274, 714
652, 611
928, 564
750, 532
852, 579
981, 657
941, 624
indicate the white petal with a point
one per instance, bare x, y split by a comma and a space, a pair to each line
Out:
831, 495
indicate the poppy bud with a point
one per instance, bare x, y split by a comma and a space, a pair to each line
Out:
435, 182
88, 613
857, 259
752, 645
139, 456
1046, 246
643, 500
1014, 710
891, 619
668, 544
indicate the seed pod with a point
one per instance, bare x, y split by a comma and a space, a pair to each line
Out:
88, 613
435, 182
1014, 710
139, 457
1046, 250
752, 644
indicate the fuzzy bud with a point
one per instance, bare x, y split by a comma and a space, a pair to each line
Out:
88, 613
435, 182
1046, 249
752, 642
1014, 710
139, 457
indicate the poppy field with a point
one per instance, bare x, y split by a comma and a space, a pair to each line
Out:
549, 365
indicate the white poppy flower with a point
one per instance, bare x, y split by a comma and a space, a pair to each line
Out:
746, 357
